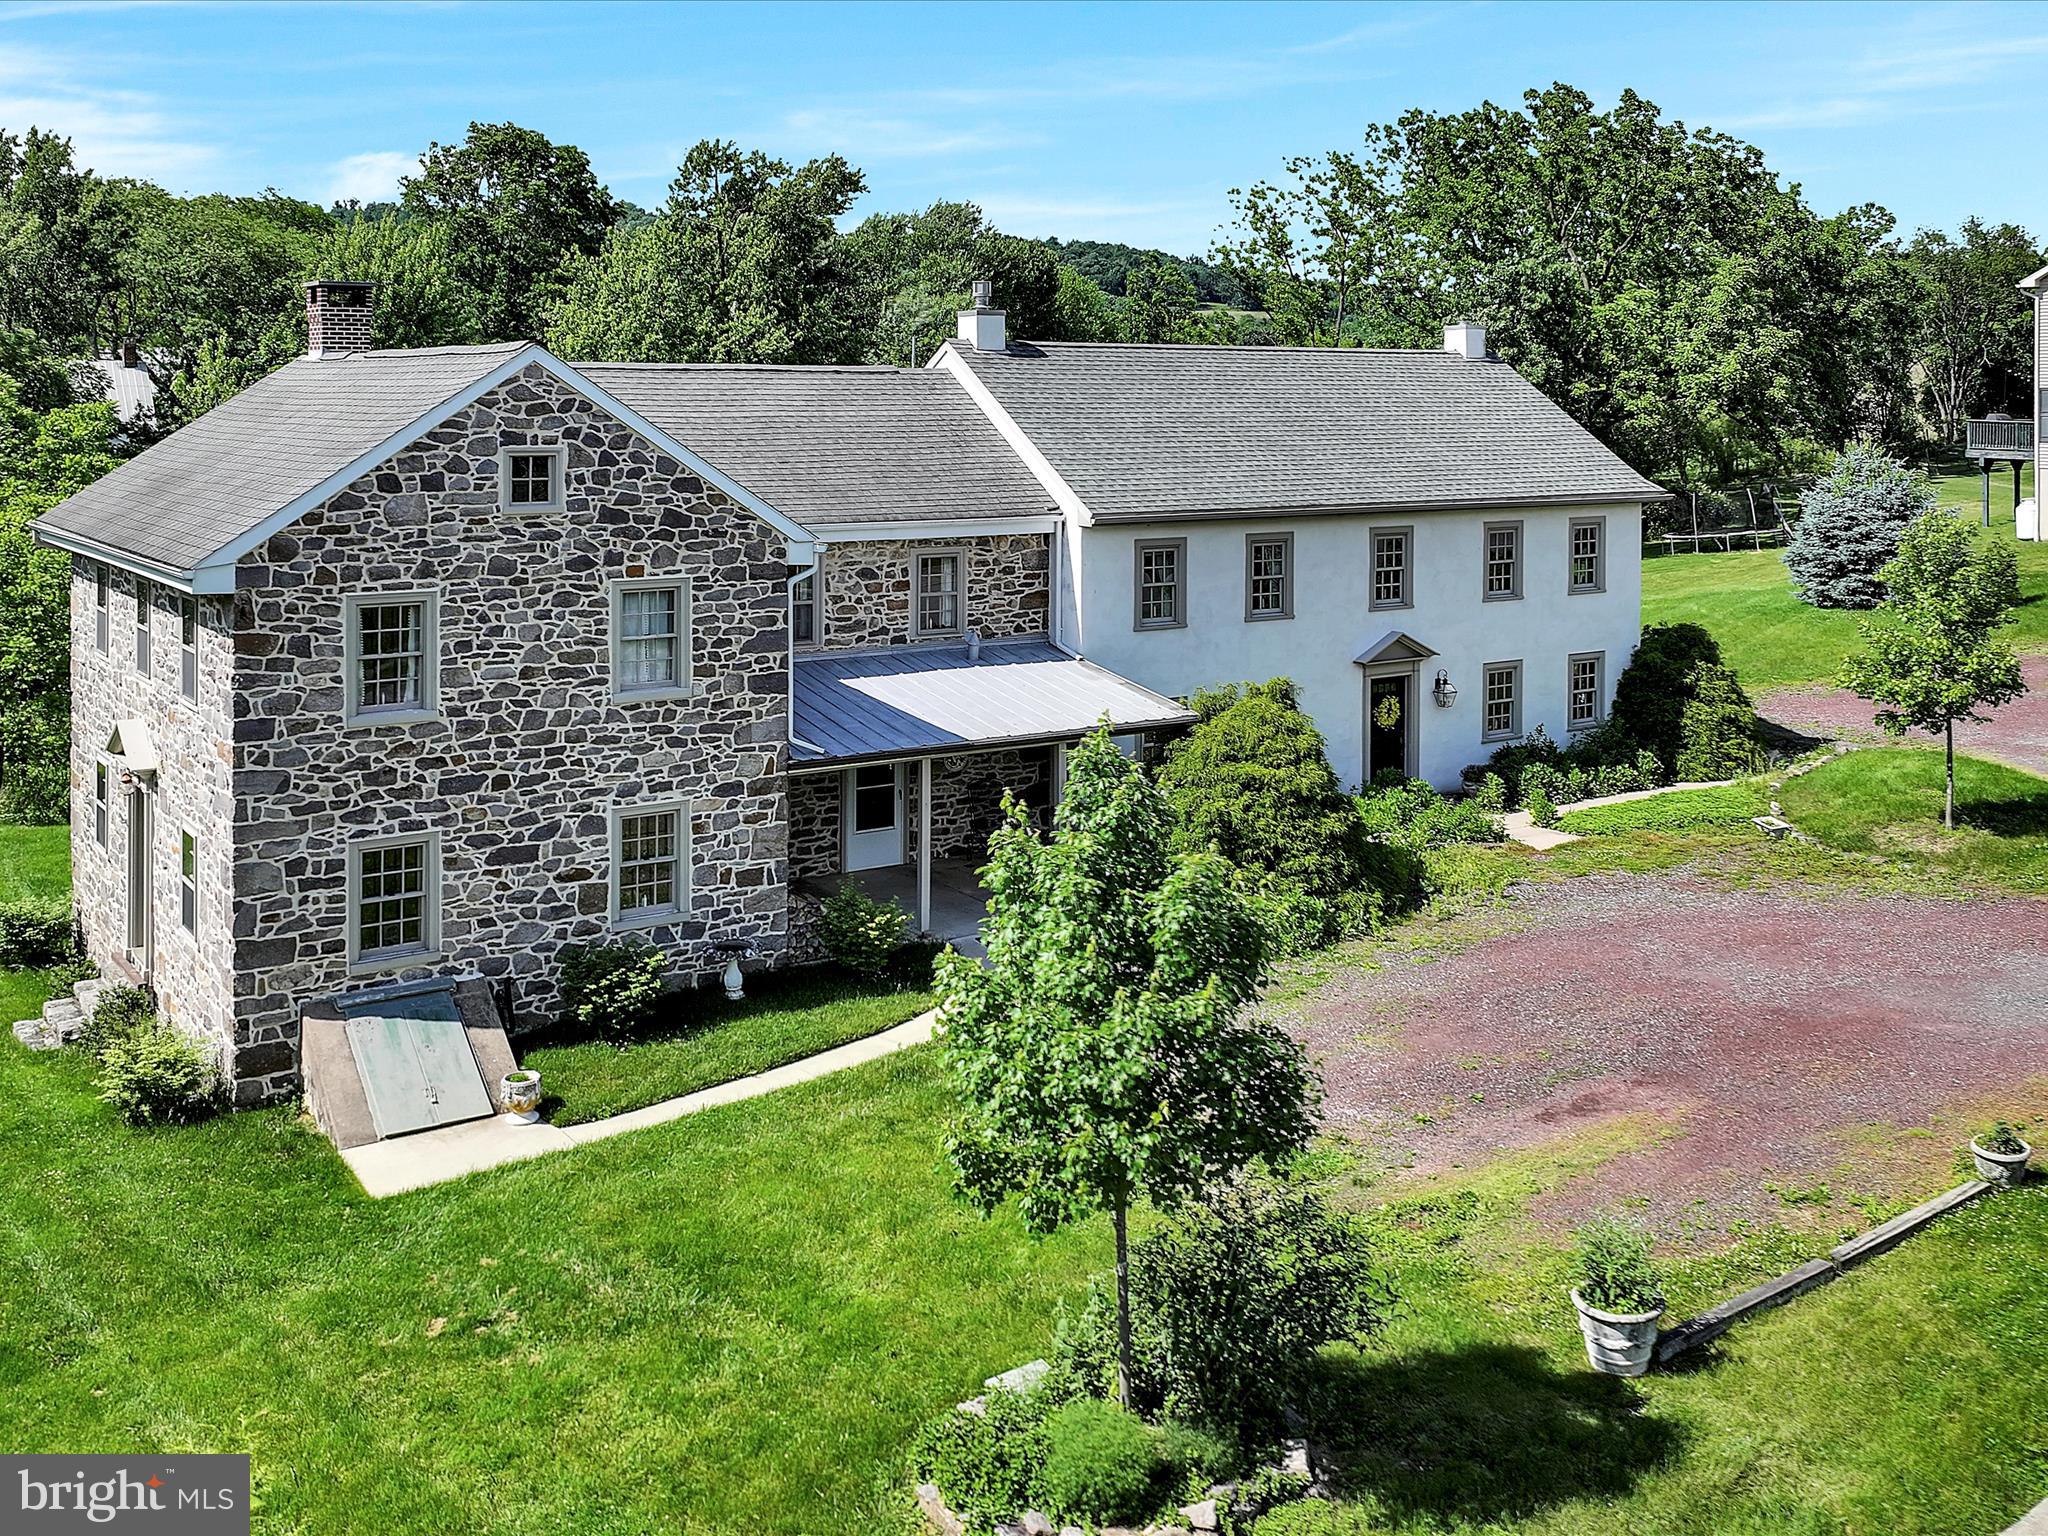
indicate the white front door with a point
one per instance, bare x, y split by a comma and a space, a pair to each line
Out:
873, 813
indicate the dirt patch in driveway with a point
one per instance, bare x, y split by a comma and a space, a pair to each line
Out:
2015, 734
1772, 1033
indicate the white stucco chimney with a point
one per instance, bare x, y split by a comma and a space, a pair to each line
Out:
1465, 338
982, 326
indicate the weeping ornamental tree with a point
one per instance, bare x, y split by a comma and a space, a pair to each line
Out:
1850, 524
1936, 650
1104, 1052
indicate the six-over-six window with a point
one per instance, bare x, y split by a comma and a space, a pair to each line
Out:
1161, 602
938, 594
650, 873
392, 655
1585, 694
1502, 701
1269, 576
394, 895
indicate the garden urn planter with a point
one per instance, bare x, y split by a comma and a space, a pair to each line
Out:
2000, 1167
732, 952
520, 1092
1617, 1343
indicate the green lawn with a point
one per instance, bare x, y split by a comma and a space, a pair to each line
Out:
1682, 810
1887, 801
706, 1040
35, 863
734, 1322
1773, 640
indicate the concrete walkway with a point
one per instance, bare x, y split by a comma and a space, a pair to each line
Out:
2033, 1523
1521, 829
436, 1156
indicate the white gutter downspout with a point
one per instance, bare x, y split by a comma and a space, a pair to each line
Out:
817, 564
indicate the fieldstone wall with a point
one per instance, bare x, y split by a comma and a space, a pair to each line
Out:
192, 791
866, 600
530, 753
814, 809
967, 797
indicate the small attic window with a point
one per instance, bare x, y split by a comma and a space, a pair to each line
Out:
532, 480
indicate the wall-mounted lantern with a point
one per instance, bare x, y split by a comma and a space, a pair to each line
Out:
1443, 690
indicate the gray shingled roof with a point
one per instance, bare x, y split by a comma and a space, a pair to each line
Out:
876, 704
836, 444
209, 483
1163, 431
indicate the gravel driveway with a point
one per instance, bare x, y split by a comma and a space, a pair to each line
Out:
1762, 1027
2016, 734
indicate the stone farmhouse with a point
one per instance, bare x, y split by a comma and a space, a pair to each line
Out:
419, 665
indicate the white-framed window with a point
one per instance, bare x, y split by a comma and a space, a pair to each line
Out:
1585, 690
803, 610
188, 645
532, 480
142, 626
1159, 579
937, 593
394, 899
188, 879
1393, 573
391, 657
1501, 700
1503, 561
102, 583
1268, 576
651, 638
102, 792
650, 863
1588, 555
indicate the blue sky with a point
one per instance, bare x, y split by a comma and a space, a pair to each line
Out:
1125, 122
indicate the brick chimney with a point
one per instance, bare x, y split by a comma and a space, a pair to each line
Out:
338, 317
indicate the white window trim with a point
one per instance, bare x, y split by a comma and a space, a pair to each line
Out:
653, 917
188, 885
188, 650
429, 707
1405, 532
1180, 584
392, 960
1514, 726
1286, 609
103, 607
685, 685
102, 802
1487, 531
1599, 582
918, 631
558, 477
1599, 660
145, 630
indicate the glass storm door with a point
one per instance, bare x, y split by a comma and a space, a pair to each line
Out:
874, 816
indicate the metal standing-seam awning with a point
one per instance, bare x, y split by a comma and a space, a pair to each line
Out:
869, 706
923, 702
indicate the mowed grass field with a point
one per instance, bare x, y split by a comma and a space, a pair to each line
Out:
1773, 640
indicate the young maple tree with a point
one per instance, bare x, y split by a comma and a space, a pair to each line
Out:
1936, 649
1104, 1051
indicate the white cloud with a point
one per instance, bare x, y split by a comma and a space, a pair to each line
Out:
860, 132
370, 177
1098, 218
114, 132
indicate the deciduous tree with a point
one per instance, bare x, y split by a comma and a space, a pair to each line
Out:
1936, 650
1103, 1053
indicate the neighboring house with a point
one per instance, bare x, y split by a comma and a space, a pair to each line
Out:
404, 665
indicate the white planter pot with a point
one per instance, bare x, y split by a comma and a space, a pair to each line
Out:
2001, 1167
1617, 1343
520, 1093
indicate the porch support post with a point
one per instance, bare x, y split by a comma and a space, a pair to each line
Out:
924, 845
1059, 772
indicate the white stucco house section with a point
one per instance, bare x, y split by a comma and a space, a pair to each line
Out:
1334, 621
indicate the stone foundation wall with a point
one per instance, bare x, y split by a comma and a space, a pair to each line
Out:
530, 753
192, 791
867, 600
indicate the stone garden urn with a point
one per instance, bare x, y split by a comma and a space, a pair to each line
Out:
1618, 1343
2002, 1168
520, 1093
